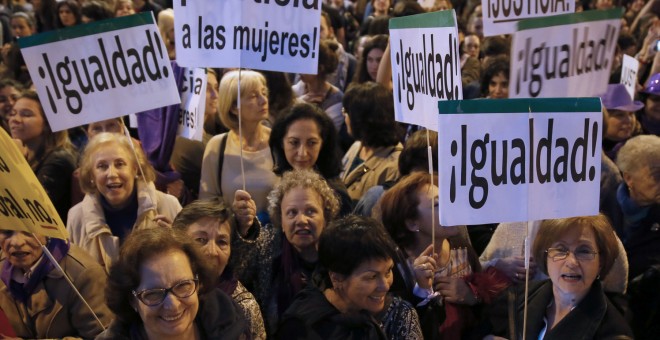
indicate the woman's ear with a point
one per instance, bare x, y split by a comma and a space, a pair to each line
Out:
628, 178
411, 225
336, 279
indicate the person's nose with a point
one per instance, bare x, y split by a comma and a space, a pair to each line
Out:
302, 150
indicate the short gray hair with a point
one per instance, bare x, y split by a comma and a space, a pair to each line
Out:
639, 152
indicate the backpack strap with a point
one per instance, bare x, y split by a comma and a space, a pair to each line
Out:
221, 159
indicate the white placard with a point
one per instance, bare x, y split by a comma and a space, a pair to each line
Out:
501, 16
275, 35
425, 66
100, 70
564, 56
629, 74
193, 104
501, 163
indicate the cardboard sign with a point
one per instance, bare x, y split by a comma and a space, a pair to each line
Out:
100, 70
275, 35
511, 160
426, 65
193, 104
629, 74
501, 16
24, 204
566, 55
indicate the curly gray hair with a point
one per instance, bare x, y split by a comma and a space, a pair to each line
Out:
639, 152
307, 179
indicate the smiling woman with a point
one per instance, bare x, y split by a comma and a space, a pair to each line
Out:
120, 197
30, 285
349, 296
162, 287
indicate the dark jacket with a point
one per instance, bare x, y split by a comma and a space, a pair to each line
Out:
311, 316
218, 317
595, 317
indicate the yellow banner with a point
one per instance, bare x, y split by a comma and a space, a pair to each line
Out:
24, 204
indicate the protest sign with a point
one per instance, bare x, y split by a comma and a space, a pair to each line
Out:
275, 35
501, 16
511, 160
426, 65
24, 204
629, 74
100, 70
567, 55
193, 103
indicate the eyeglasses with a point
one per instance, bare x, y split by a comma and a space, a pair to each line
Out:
181, 289
581, 254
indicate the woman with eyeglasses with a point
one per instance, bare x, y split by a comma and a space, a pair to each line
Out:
162, 287
575, 253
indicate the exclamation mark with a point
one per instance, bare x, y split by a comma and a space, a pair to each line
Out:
314, 42
160, 52
594, 145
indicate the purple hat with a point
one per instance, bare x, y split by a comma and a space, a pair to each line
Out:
618, 98
653, 85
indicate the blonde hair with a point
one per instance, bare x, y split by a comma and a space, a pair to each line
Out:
117, 141
228, 93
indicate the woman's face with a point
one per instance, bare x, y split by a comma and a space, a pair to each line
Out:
66, 16
8, 96
619, 125
572, 278
211, 95
367, 286
302, 218
125, 8
20, 28
644, 185
373, 60
174, 317
109, 125
652, 107
498, 87
302, 144
254, 105
20, 248
215, 239
427, 216
25, 121
114, 174
472, 45
381, 6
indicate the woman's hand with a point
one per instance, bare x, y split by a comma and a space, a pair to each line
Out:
163, 221
514, 267
424, 267
455, 290
245, 210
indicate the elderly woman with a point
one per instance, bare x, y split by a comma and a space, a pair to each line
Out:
33, 290
316, 89
350, 299
275, 262
119, 197
453, 271
639, 200
208, 222
50, 154
221, 167
372, 159
161, 287
575, 253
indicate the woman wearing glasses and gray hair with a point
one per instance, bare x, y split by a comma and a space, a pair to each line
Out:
575, 253
161, 287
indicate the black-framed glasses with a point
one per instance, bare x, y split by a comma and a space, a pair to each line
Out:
581, 254
156, 296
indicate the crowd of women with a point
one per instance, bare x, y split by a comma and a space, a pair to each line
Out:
307, 212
